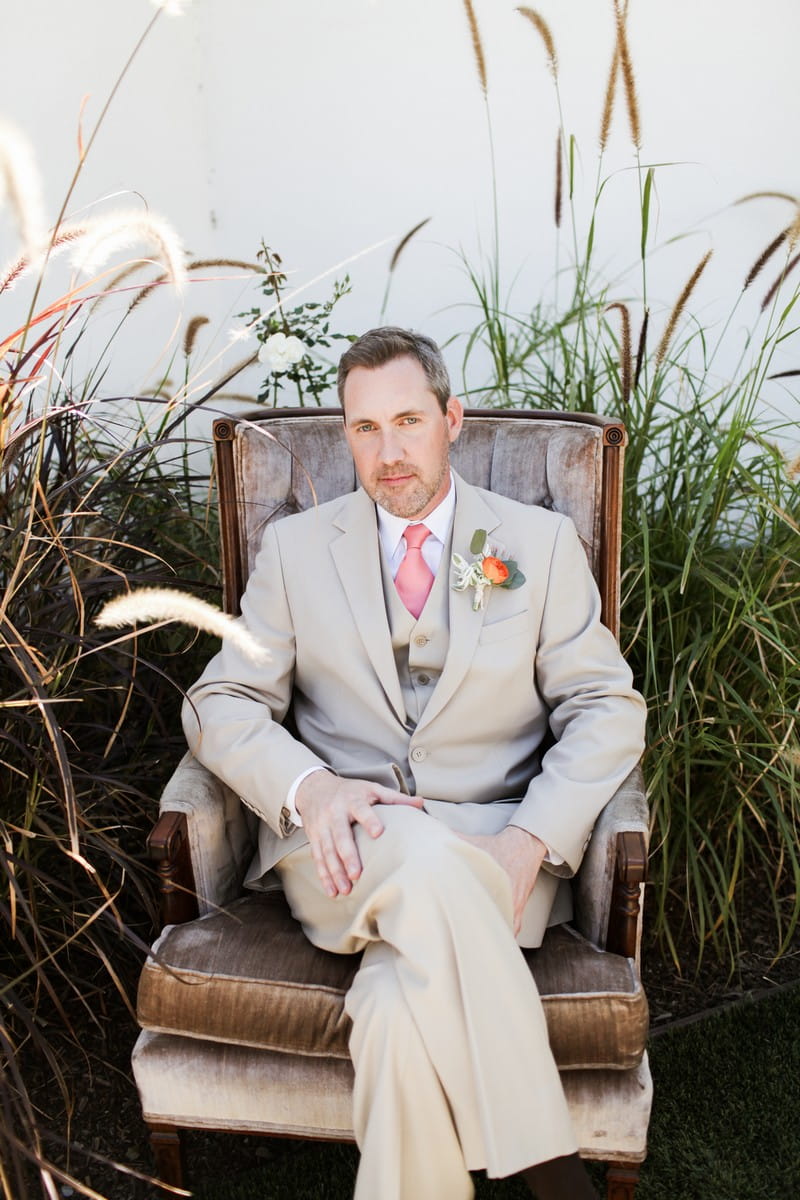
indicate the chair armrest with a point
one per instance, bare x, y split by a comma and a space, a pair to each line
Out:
207, 852
608, 886
168, 847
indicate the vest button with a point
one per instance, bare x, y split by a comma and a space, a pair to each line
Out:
421, 640
423, 680
418, 754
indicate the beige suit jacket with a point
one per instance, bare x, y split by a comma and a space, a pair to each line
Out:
536, 658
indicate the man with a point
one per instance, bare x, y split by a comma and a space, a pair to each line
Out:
409, 814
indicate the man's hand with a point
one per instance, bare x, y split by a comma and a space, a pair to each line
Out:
330, 806
520, 854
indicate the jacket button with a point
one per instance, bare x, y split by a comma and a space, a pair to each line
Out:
424, 680
418, 754
421, 640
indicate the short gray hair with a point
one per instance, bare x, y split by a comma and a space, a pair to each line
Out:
379, 346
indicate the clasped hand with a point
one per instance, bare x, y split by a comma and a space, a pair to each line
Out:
330, 806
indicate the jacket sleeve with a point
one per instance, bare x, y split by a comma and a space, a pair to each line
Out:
597, 718
232, 715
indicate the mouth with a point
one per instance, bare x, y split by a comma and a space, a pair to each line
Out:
396, 479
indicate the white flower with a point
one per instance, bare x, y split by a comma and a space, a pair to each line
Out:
470, 574
280, 352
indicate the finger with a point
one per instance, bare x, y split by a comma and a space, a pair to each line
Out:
348, 861
366, 816
325, 878
384, 795
330, 861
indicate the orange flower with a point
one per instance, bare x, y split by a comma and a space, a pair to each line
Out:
495, 570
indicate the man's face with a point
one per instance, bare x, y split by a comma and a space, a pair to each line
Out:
399, 437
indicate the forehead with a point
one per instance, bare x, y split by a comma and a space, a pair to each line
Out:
400, 385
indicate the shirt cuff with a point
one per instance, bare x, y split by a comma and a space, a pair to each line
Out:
290, 806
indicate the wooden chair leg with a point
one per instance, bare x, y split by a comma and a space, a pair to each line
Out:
167, 1147
621, 1180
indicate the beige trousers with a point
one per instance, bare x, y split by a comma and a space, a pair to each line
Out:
453, 1069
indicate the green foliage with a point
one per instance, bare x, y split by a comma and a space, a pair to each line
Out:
711, 565
308, 322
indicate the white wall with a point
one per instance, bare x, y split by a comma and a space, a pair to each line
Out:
328, 125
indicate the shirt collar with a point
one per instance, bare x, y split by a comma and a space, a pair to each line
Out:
392, 528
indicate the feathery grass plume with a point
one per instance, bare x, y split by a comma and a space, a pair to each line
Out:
793, 233
199, 264
21, 185
543, 29
628, 78
398, 250
118, 231
160, 605
625, 359
641, 348
790, 266
608, 103
477, 45
764, 258
192, 330
675, 315
401, 245
793, 469
559, 180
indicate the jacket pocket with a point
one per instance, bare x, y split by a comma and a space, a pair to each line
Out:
498, 631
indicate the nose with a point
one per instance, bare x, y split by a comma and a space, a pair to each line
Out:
391, 449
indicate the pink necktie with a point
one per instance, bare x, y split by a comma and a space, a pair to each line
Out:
414, 578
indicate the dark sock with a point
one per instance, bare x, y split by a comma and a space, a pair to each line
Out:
560, 1179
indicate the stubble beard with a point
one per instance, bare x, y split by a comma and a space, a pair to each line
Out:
409, 504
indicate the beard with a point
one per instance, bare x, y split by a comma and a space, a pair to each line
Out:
417, 494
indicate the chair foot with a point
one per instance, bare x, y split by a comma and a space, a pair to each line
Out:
621, 1180
167, 1147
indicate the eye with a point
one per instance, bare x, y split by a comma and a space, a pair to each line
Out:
364, 427
410, 420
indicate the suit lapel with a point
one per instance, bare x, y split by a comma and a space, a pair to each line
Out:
356, 556
472, 512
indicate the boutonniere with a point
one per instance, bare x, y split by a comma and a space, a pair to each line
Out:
486, 570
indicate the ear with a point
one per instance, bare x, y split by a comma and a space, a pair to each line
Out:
454, 417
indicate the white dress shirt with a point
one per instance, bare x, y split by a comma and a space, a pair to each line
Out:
391, 531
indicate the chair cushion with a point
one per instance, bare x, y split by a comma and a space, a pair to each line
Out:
247, 975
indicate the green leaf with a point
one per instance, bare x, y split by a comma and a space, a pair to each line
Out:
478, 541
648, 187
514, 581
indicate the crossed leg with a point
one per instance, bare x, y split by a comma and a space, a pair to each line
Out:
449, 1043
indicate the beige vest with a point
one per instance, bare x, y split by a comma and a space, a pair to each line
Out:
419, 645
